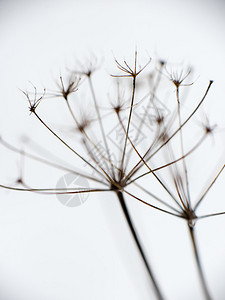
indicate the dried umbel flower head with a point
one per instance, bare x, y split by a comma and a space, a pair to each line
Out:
33, 103
117, 172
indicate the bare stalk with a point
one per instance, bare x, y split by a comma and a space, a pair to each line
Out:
138, 243
129, 119
209, 187
182, 148
199, 266
61, 140
150, 101
140, 163
100, 122
170, 163
49, 163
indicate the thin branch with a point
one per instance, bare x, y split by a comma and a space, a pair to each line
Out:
156, 197
182, 147
100, 122
209, 187
158, 179
88, 138
211, 215
47, 162
54, 191
153, 206
76, 153
128, 123
170, 163
182, 125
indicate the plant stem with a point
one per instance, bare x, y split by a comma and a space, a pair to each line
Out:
137, 241
200, 271
128, 123
100, 123
182, 148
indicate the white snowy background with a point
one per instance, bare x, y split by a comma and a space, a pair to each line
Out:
52, 252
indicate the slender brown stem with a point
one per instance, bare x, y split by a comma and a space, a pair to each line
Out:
100, 123
138, 243
197, 258
141, 164
150, 101
157, 177
170, 163
128, 124
49, 163
153, 206
209, 187
88, 138
182, 148
212, 215
70, 148
54, 191
155, 197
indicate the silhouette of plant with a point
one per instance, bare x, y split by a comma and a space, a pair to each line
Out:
161, 150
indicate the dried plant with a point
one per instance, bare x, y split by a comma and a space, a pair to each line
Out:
118, 168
